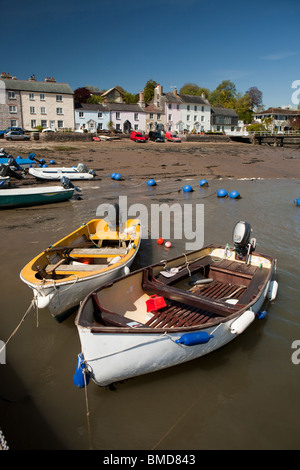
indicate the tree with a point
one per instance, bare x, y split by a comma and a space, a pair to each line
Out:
224, 95
130, 98
255, 97
81, 95
149, 90
193, 89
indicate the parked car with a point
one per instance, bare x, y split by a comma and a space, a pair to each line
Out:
138, 137
14, 135
156, 136
172, 137
48, 129
18, 129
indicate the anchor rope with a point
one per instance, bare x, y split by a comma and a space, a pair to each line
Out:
84, 370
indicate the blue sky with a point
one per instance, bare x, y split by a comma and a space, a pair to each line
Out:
106, 43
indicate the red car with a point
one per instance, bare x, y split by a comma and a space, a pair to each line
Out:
138, 137
172, 137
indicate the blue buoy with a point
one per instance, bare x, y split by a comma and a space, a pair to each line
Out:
52, 162
78, 378
190, 339
44, 165
31, 156
113, 176
42, 161
261, 315
234, 195
203, 183
118, 176
151, 182
187, 188
222, 193
297, 201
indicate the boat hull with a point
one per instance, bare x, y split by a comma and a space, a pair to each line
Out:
56, 174
10, 198
112, 354
61, 300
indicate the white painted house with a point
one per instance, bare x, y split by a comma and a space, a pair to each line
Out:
92, 117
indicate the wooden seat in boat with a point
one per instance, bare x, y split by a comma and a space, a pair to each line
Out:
74, 267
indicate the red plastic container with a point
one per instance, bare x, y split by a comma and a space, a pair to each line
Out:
155, 302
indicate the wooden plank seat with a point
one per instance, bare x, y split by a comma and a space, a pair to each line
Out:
106, 318
62, 268
101, 251
218, 290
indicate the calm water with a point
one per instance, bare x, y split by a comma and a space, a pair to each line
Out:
244, 396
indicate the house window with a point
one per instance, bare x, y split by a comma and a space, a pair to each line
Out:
33, 123
60, 124
42, 97
11, 96
188, 107
136, 116
188, 117
12, 109
195, 117
13, 123
32, 110
195, 108
99, 115
202, 118
31, 96
118, 116
59, 111
43, 110
178, 107
202, 109
170, 117
151, 115
58, 97
43, 123
100, 126
158, 117
81, 114
170, 106
118, 128
136, 127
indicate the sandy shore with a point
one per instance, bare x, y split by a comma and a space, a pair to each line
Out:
166, 160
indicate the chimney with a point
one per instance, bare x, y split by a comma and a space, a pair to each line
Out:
5, 75
32, 78
175, 91
141, 99
157, 94
50, 79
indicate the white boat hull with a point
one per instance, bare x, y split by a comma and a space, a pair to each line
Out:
114, 357
56, 174
59, 300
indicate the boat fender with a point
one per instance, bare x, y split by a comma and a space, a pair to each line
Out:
239, 325
222, 193
261, 315
190, 339
203, 183
78, 378
126, 270
42, 301
272, 291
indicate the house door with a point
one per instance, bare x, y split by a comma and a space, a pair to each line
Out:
126, 127
52, 125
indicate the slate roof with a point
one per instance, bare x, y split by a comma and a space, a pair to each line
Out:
38, 87
224, 112
99, 107
284, 111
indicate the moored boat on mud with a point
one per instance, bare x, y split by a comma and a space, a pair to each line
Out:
172, 312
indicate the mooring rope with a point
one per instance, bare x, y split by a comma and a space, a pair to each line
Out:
84, 370
16, 329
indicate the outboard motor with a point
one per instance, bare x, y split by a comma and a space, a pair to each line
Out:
241, 239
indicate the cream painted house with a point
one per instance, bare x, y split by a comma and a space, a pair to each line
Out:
31, 103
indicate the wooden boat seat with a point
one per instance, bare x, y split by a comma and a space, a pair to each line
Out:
102, 251
201, 264
63, 268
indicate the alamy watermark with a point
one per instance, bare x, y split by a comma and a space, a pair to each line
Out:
187, 220
296, 353
296, 93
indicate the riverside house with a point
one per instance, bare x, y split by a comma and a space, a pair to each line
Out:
31, 103
92, 117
